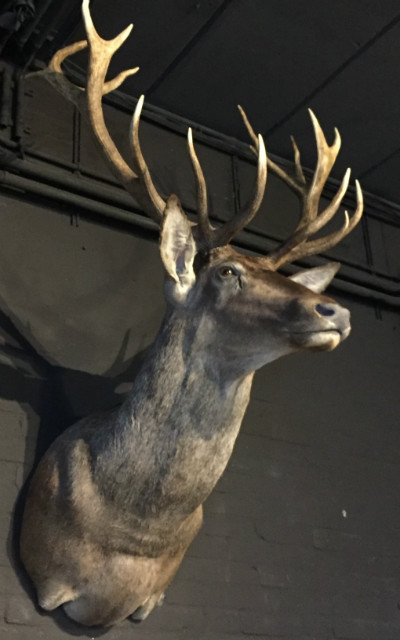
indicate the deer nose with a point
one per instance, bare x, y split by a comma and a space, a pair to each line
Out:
338, 316
327, 309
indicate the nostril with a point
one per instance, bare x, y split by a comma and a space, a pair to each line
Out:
325, 310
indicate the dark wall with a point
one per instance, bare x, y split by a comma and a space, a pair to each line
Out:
300, 538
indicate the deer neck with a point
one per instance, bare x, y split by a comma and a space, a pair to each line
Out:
185, 376
179, 424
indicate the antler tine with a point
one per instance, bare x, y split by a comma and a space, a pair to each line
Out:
207, 235
297, 162
297, 246
100, 52
249, 128
54, 75
326, 159
224, 234
204, 227
61, 55
141, 166
311, 195
327, 242
291, 182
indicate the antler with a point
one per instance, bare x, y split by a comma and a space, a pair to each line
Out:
137, 181
298, 244
89, 102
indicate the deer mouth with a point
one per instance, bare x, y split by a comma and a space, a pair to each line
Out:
322, 339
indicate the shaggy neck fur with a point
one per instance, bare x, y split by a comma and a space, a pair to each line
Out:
178, 424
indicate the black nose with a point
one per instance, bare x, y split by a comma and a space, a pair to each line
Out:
326, 309
335, 317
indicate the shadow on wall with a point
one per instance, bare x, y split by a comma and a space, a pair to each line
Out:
52, 398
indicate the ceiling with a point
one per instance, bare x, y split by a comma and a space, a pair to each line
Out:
200, 58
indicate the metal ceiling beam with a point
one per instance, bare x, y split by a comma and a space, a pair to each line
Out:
95, 201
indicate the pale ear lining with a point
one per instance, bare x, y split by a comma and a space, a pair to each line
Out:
317, 278
177, 245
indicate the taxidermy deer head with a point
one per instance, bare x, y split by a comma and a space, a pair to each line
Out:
117, 499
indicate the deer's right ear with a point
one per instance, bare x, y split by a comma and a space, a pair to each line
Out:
177, 247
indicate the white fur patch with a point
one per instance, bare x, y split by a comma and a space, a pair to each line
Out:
177, 246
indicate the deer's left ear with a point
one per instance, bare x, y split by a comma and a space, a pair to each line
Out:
318, 278
177, 247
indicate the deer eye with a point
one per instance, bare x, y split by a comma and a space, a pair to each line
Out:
226, 272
